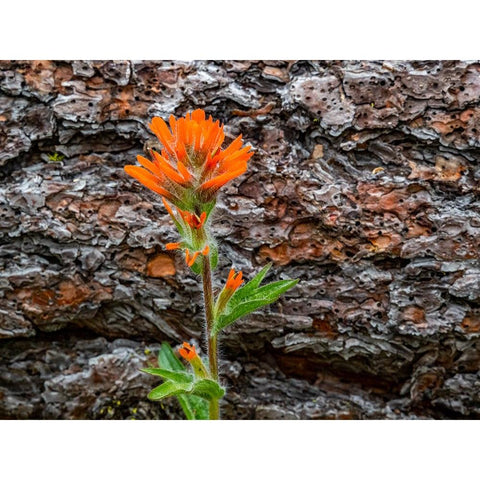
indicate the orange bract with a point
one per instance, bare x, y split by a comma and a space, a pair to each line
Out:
234, 280
190, 258
191, 166
173, 246
193, 219
188, 351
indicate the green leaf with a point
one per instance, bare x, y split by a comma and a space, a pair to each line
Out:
170, 375
244, 291
257, 298
180, 227
208, 207
197, 266
168, 360
208, 389
273, 290
205, 388
167, 389
240, 311
213, 255
195, 408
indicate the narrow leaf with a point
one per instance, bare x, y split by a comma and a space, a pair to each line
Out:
195, 408
197, 267
208, 207
208, 389
260, 297
241, 310
169, 374
244, 291
168, 360
272, 290
213, 255
167, 389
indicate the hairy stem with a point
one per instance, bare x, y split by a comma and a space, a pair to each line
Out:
211, 340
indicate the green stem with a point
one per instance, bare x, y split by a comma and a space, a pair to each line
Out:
211, 339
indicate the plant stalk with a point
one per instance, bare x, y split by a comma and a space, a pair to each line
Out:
214, 411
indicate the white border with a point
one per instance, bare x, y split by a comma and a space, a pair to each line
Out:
250, 29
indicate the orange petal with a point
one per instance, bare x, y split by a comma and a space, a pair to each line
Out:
192, 260
218, 140
167, 169
147, 179
239, 154
150, 166
238, 280
160, 129
183, 171
211, 136
215, 134
187, 351
220, 180
181, 139
235, 145
173, 246
206, 250
167, 206
198, 115
197, 136
173, 125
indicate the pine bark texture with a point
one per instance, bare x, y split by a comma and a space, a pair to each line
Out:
364, 184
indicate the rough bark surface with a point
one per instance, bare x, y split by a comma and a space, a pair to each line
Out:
364, 184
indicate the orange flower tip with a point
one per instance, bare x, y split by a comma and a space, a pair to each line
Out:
234, 280
173, 246
187, 351
167, 206
165, 168
206, 250
193, 219
193, 258
220, 180
183, 171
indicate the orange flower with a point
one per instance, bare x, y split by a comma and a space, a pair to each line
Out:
234, 280
190, 259
193, 219
191, 167
188, 351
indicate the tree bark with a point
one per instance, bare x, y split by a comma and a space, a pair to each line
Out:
364, 184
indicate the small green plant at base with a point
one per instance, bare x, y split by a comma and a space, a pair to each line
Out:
56, 157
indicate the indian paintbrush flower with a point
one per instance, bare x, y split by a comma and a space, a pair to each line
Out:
192, 166
188, 171
189, 353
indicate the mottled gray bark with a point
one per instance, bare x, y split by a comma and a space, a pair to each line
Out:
364, 184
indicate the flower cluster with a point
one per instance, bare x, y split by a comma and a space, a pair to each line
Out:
192, 166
